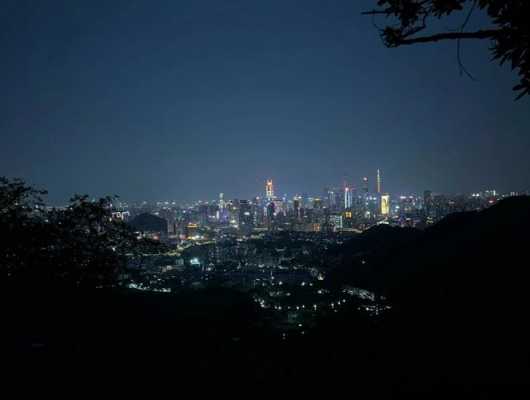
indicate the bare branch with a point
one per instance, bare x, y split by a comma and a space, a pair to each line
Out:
463, 69
482, 34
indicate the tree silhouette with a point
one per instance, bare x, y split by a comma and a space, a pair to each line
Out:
78, 245
509, 31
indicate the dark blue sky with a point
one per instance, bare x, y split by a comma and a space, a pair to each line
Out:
185, 99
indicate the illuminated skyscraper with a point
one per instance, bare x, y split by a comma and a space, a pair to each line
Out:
336, 222
330, 198
297, 208
221, 201
365, 185
279, 207
348, 198
378, 182
270, 215
385, 204
269, 190
245, 215
317, 204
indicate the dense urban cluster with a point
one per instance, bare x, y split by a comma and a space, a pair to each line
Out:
277, 249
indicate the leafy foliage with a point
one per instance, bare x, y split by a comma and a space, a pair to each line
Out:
510, 31
79, 245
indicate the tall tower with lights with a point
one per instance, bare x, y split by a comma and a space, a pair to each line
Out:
348, 197
221, 201
269, 190
379, 182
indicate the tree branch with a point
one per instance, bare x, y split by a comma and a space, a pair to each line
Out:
482, 34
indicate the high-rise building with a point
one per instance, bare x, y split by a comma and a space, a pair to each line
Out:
365, 185
385, 204
427, 202
317, 204
330, 197
303, 200
270, 214
202, 214
269, 190
348, 198
336, 222
221, 201
379, 183
245, 215
279, 207
258, 214
297, 208
232, 208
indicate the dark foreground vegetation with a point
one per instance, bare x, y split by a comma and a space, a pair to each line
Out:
458, 323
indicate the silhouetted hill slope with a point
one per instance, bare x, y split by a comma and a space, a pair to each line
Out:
378, 238
465, 288
466, 255
460, 296
360, 260
462, 250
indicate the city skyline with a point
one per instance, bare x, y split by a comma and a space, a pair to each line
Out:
343, 196
350, 187
337, 210
347, 190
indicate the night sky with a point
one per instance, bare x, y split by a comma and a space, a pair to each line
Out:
182, 100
